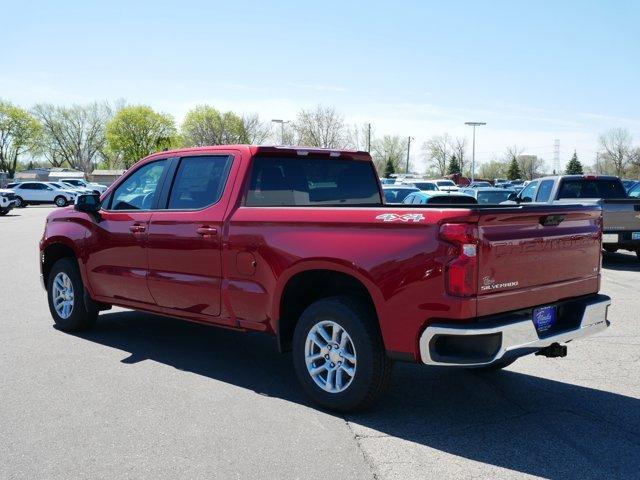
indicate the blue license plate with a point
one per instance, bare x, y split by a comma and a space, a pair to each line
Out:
544, 318
635, 235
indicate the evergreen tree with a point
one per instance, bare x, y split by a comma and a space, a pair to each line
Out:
514, 172
574, 167
389, 169
454, 165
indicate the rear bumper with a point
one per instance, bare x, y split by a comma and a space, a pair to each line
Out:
480, 345
621, 239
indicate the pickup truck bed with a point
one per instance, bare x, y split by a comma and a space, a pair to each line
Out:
298, 243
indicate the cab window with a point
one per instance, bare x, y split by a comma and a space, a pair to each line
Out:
138, 191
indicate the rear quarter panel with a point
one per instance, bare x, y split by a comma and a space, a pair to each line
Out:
400, 263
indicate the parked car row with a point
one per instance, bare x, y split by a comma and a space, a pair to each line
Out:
59, 193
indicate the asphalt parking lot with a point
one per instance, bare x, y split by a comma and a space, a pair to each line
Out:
143, 396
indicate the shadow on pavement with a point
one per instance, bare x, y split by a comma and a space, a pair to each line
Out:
520, 422
622, 260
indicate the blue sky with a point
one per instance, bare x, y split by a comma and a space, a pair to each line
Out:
534, 71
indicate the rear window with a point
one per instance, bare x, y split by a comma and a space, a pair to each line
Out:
446, 183
425, 185
297, 182
493, 197
591, 188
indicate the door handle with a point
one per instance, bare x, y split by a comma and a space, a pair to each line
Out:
206, 230
137, 228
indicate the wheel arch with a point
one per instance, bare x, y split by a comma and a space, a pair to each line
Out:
309, 282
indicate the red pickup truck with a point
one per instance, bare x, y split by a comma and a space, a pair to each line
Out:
298, 243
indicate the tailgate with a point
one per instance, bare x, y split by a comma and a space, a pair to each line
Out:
537, 254
621, 214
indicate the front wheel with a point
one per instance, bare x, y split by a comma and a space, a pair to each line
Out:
338, 354
60, 201
65, 293
20, 203
3, 211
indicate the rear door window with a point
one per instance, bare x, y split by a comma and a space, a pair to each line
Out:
312, 182
199, 182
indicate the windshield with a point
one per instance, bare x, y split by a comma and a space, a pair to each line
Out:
592, 188
493, 197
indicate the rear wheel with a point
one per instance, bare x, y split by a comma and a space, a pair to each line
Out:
338, 354
65, 293
20, 203
60, 201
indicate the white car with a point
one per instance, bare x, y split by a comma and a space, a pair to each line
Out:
7, 200
77, 182
66, 186
42, 192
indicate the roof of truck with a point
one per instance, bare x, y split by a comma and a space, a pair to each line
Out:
278, 150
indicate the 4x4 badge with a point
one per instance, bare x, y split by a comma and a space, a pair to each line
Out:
407, 217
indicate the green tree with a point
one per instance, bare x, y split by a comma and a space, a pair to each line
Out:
574, 167
514, 173
389, 169
19, 133
137, 131
204, 125
454, 165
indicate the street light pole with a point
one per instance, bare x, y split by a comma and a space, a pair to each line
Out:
473, 148
408, 150
281, 122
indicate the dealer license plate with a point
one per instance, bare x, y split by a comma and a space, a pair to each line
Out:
544, 318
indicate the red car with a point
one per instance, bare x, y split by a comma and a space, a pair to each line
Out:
298, 243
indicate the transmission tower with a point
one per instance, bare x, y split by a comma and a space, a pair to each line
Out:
556, 156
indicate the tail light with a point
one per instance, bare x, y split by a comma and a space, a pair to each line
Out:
461, 271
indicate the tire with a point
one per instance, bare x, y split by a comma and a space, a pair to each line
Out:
20, 203
76, 318
60, 201
371, 369
610, 249
3, 212
499, 365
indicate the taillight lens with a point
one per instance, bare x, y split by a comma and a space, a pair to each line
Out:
461, 272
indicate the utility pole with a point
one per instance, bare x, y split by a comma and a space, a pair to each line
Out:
408, 150
281, 122
369, 137
473, 148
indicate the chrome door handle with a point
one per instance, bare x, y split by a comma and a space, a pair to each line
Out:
206, 230
137, 228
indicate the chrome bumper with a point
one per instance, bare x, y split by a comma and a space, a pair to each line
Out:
514, 339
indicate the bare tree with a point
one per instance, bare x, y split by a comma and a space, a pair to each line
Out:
75, 135
438, 151
512, 153
256, 130
360, 136
530, 166
389, 148
322, 127
615, 146
459, 148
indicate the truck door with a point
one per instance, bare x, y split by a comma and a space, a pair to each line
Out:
185, 235
117, 264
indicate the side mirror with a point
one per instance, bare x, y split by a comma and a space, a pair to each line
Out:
513, 197
87, 203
